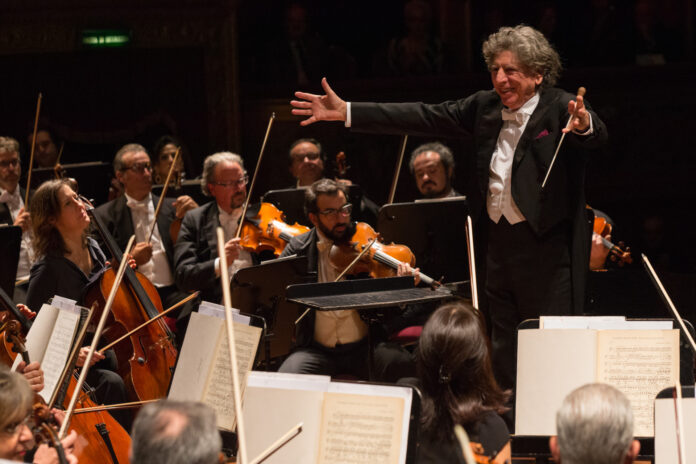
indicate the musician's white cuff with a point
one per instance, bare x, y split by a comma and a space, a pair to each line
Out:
217, 267
348, 116
586, 132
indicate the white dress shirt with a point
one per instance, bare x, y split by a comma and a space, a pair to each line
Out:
229, 223
157, 270
334, 327
15, 203
499, 201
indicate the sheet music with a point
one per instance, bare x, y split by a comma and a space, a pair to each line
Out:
39, 334
640, 364
357, 429
58, 350
218, 389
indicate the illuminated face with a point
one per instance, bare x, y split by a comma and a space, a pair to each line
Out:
73, 216
229, 188
9, 170
164, 162
333, 217
15, 441
431, 178
512, 83
136, 175
307, 165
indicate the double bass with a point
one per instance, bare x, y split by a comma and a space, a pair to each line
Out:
147, 357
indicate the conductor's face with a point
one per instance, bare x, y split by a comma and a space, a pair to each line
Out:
333, 217
229, 188
514, 84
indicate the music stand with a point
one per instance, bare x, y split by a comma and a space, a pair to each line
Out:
10, 243
434, 230
260, 290
291, 203
363, 295
93, 178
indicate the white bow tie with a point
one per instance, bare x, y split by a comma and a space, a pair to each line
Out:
513, 116
12, 200
143, 205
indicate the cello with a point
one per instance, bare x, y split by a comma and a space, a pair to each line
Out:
147, 357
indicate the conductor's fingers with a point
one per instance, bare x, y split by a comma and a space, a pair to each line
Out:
301, 104
306, 96
299, 112
327, 88
308, 121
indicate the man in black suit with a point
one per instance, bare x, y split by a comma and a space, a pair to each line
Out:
134, 213
537, 248
13, 211
196, 253
335, 342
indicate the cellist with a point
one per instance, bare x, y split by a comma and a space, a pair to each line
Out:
69, 261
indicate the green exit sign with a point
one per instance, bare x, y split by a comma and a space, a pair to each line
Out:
105, 38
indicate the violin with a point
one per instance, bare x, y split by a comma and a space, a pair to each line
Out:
147, 357
101, 437
267, 230
617, 254
379, 261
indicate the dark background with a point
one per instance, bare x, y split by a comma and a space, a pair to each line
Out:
212, 71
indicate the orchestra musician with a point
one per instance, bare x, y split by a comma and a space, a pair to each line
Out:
334, 342
195, 253
69, 261
164, 152
13, 211
176, 432
134, 213
16, 439
516, 128
46, 148
458, 387
594, 424
432, 167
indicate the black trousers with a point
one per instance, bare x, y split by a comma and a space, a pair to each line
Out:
527, 276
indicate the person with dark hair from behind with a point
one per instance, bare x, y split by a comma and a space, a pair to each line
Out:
175, 432
594, 425
458, 387
432, 166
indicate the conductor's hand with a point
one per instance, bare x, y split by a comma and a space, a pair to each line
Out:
142, 253
581, 117
327, 107
232, 249
183, 204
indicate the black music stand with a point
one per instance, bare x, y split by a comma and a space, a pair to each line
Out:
291, 203
364, 295
434, 230
10, 243
93, 178
260, 290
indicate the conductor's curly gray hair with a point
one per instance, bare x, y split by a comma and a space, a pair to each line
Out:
534, 52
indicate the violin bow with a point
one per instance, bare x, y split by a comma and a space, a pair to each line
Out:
33, 146
472, 262
253, 179
97, 335
399, 162
163, 194
56, 167
581, 93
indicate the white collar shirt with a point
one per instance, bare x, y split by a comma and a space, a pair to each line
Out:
15, 203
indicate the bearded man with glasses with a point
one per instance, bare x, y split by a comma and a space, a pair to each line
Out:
333, 342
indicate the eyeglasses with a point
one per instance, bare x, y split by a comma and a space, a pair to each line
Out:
15, 428
234, 183
139, 167
344, 210
301, 156
8, 163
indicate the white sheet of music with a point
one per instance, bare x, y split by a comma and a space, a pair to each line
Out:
666, 451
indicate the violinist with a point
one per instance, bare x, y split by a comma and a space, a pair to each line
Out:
13, 211
594, 424
46, 148
432, 166
176, 432
69, 261
331, 342
134, 213
195, 253
16, 439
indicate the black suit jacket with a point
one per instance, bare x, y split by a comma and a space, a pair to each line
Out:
5, 216
116, 216
479, 116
